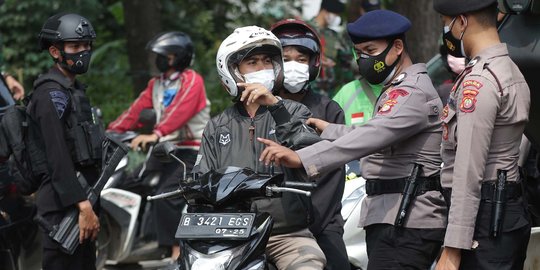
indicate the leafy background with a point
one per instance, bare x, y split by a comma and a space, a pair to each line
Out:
120, 66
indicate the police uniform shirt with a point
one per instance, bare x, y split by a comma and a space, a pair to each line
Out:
482, 127
405, 129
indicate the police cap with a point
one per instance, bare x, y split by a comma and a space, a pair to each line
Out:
378, 24
456, 7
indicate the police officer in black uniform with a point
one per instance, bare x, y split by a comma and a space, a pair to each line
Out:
72, 139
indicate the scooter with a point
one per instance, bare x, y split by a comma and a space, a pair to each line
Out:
351, 204
127, 236
220, 231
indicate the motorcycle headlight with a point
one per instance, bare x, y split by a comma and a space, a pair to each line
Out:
216, 261
349, 203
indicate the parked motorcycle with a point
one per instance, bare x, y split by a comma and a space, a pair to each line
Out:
220, 231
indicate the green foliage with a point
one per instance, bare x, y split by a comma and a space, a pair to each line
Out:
208, 22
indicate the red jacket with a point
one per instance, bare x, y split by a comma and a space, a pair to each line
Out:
188, 112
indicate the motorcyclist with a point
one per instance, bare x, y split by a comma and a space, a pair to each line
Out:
302, 63
182, 109
250, 66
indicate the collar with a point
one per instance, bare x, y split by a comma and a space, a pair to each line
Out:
243, 112
409, 71
489, 53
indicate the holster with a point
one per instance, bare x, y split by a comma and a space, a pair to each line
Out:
409, 193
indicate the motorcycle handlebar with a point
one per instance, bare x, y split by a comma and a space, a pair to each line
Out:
165, 195
274, 189
300, 185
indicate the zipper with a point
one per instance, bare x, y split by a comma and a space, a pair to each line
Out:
252, 141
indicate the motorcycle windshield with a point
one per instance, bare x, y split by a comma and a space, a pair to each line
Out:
218, 187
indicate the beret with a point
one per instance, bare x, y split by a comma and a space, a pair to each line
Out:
377, 24
457, 7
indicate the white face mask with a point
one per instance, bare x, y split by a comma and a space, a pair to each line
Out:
265, 77
296, 76
333, 21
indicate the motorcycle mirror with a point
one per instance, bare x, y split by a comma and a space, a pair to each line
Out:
164, 152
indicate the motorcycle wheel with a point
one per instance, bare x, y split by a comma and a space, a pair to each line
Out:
102, 242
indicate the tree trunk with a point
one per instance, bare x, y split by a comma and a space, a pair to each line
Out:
423, 38
141, 22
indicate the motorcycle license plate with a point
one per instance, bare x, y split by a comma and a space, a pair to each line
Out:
215, 225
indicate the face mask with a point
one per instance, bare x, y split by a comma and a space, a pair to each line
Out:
374, 69
333, 20
265, 77
296, 76
453, 45
456, 64
162, 63
81, 61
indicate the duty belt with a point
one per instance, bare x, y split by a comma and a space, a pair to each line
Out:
378, 187
513, 191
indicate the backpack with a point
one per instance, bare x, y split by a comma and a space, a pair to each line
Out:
20, 140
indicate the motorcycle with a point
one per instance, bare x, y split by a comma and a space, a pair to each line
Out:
220, 231
351, 204
127, 236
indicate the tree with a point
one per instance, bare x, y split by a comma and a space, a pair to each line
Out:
423, 38
141, 22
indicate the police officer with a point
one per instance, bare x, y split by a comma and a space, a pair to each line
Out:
406, 129
482, 127
302, 55
60, 107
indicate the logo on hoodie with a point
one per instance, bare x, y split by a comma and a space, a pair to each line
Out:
224, 139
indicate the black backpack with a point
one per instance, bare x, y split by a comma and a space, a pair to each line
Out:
20, 141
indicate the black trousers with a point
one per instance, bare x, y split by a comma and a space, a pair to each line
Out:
167, 212
509, 249
53, 258
330, 240
389, 247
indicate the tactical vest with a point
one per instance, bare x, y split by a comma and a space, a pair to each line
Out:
83, 133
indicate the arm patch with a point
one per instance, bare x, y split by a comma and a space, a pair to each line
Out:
60, 101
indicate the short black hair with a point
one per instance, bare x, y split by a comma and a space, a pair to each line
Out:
487, 17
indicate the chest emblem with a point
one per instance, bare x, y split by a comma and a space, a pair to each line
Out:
468, 102
392, 100
224, 139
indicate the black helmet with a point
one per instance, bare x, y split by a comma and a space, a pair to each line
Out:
176, 43
293, 32
65, 27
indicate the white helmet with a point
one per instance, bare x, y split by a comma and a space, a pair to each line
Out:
246, 41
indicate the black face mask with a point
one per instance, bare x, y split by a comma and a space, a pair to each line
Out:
162, 63
81, 61
454, 46
373, 68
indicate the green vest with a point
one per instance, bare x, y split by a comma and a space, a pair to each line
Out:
357, 101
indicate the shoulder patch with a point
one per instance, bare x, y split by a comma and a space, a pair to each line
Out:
392, 100
468, 102
60, 101
473, 83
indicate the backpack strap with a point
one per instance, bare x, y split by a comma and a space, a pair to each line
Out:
52, 77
